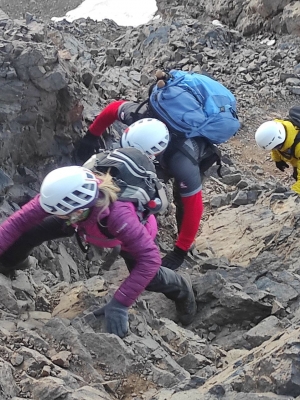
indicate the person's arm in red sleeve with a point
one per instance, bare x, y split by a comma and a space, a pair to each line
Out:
192, 213
106, 117
89, 144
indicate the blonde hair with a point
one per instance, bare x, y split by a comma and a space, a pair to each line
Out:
107, 191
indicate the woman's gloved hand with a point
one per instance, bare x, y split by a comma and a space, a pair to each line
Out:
281, 165
87, 146
116, 316
174, 258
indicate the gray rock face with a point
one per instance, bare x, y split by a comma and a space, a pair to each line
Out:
244, 342
8, 385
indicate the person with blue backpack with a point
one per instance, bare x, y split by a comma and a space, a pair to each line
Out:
75, 199
199, 113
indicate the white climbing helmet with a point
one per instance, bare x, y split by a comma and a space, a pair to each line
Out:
270, 134
67, 189
148, 135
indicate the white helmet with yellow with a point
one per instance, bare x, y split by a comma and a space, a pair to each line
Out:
270, 135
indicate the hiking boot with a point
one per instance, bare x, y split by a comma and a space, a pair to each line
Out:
186, 305
9, 271
5, 270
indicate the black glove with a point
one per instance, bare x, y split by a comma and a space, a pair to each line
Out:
282, 165
116, 316
295, 173
87, 146
174, 258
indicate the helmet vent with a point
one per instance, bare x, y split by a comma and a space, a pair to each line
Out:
90, 176
71, 202
162, 144
89, 186
63, 208
155, 149
80, 195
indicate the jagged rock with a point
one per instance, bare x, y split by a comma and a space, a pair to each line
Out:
46, 371
252, 230
263, 331
99, 345
62, 359
290, 17
16, 359
18, 398
192, 362
231, 179
8, 299
22, 283
220, 200
3, 17
240, 199
88, 393
224, 303
66, 266
49, 388
57, 77
79, 297
8, 387
5, 183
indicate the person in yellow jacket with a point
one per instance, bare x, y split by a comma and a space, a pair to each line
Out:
280, 136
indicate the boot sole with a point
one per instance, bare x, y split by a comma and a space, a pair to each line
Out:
188, 319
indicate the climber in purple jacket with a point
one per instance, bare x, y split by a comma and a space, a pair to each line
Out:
78, 199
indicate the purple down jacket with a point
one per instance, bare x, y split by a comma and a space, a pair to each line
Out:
122, 222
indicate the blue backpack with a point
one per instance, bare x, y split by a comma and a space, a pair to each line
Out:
192, 105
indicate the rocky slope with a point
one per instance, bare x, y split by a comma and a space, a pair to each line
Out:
244, 342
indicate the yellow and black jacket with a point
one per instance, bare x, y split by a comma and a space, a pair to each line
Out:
285, 153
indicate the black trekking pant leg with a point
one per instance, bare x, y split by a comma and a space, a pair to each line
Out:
51, 228
166, 281
179, 205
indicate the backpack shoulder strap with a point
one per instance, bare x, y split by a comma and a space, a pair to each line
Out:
296, 141
135, 113
196, 162
84, 247
102, 226
185, 152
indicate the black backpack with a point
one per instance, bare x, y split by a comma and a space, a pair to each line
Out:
294, 118
294, 115
135, 175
